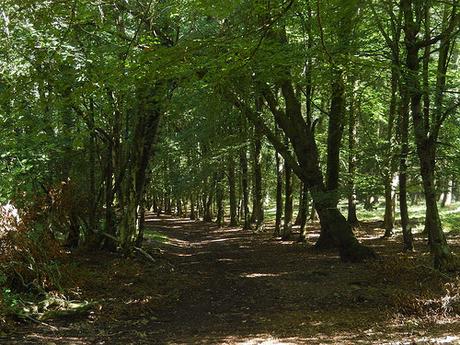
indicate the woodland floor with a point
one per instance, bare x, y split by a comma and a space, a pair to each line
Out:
228, 286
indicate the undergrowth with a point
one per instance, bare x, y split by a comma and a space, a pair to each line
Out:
31, 275
418, 290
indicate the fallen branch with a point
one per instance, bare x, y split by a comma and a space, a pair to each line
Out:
137, 249
30, 318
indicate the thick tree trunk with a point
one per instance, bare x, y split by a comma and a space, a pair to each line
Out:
340, 230
426, 137
440, 250
307, 167
334, 138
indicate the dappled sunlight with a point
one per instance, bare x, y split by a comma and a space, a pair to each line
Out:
263, 275
228, 260
56, 339
262, 339
178, 243
236, 287
216, 240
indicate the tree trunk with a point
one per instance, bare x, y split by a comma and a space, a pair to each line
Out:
303, 212
287, 226
279, 195
92, 221
258, 208
425, 138
109, 244
140, 224
334, 138
404, 135
220, 200
232, 192
352, 133
207, 203
447, 194
192, 208
440, 250
388, 219
306, 165
245, 188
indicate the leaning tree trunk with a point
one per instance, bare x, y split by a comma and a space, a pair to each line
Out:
306, 165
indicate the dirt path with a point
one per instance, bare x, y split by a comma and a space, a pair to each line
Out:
227, 286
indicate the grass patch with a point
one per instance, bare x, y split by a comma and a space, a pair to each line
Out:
155, 236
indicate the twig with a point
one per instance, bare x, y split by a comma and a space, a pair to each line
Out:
30, 318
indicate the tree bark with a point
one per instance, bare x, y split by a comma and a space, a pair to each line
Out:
258, 208
245, 188
426, 133
279, 195
352, 133
288, 202
305, 165
109, 244
193, 215
404, 137
334, 138
220, 200
232, 192
303, 212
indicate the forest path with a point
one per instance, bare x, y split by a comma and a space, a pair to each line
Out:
229, 286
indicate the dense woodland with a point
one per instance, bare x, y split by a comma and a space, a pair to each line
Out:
282, 118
